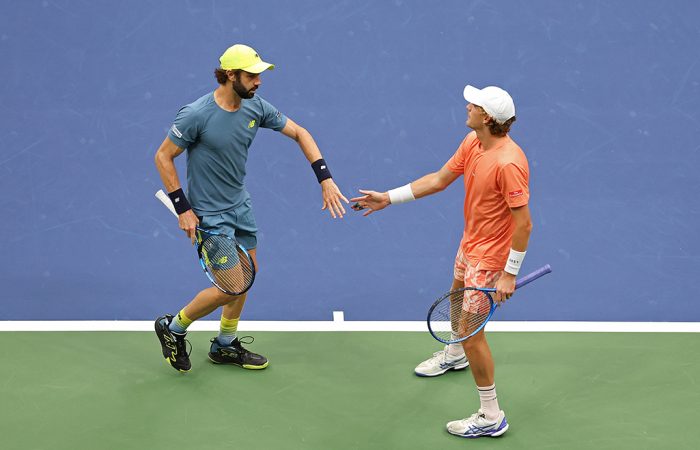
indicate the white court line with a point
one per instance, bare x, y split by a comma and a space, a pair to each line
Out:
339, 324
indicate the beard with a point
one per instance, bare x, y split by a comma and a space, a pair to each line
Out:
242, 91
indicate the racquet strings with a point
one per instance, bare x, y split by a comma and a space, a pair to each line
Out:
460, 314
228, 263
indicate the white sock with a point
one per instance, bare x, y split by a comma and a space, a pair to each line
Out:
455, 349
489, 401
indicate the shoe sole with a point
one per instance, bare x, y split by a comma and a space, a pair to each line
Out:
171, 365
437, 374
245, 366
494, 435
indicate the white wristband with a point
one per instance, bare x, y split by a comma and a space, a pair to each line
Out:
401, 195
515, 260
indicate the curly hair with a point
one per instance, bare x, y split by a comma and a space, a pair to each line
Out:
221, 75
498, 129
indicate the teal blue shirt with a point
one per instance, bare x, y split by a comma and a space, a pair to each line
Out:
217, 143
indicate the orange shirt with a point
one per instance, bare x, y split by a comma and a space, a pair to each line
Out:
495, 180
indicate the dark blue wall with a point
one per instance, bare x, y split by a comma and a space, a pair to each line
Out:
607, 97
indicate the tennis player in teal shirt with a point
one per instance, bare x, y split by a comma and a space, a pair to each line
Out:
217, 131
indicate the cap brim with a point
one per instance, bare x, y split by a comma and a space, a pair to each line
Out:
259, 67
472, 95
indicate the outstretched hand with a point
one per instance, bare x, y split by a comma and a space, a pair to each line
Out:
372, 201
332, 198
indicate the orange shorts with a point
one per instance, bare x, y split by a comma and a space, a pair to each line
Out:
474, 301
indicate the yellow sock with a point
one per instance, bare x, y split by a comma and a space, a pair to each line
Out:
227, 330
180, 323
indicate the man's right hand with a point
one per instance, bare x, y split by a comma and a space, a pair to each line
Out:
372, 201
188, 223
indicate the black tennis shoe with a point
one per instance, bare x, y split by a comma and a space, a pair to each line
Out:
236, 354
174, 345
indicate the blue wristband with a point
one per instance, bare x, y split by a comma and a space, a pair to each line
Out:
321, 170
179, 201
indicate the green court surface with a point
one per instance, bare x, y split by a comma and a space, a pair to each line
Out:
346, 390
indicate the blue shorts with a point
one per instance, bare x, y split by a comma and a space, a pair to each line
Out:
238, 223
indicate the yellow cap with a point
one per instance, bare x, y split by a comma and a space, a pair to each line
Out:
242, 57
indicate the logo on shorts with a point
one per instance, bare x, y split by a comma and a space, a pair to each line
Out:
513, 194
175, 131
251, 124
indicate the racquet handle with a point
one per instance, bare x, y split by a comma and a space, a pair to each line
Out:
163, 197
529, 278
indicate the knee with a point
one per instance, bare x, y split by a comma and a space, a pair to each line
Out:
475, 342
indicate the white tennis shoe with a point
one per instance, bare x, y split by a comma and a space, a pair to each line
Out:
478, 426
440, 363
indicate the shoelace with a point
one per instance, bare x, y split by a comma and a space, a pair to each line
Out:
246, 342
473, 418
440, 356
243, 340
182, 346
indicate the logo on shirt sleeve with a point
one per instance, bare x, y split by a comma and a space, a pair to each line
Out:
175, 131
513, 194
251, 124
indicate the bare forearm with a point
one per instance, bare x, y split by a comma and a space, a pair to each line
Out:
308, 146
521, 236
168, 172
427, 185
165, 163
522, 229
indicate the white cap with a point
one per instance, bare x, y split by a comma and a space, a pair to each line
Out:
496, 102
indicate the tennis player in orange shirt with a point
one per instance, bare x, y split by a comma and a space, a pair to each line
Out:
497, 228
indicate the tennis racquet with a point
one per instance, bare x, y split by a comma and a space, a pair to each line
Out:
225, 262
460, 314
